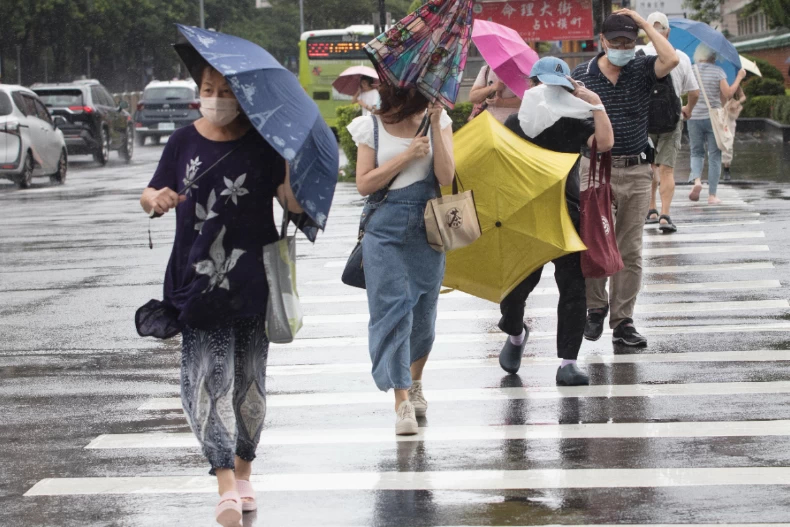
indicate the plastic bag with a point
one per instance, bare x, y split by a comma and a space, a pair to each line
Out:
544, 105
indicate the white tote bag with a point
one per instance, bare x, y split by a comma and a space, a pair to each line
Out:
283, 310
719, 119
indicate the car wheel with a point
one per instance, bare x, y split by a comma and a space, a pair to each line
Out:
127, 148
59, 177
156, 139
25, 179
103, 155
139, 139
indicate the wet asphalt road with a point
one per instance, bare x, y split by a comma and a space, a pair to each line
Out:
692, 430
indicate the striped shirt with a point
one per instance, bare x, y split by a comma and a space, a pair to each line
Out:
626, 102
711, 82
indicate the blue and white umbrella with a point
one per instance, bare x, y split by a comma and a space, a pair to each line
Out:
279, 109
687, 34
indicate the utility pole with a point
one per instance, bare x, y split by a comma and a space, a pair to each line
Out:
301, 17
46, 69
382, 16
202, 16
18, 64
88, 59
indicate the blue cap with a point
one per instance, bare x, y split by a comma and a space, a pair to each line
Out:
551, 70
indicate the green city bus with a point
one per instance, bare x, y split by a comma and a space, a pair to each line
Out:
323, 56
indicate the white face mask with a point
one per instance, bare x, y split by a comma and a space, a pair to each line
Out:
220, 111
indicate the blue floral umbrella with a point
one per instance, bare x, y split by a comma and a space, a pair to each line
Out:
279, 109
686, 35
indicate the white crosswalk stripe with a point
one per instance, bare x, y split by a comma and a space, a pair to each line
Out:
736, 265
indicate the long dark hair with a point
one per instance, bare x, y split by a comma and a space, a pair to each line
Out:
398, 104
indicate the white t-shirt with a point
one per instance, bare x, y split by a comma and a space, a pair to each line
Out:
683, 78
369, 98
361, 130
500, 114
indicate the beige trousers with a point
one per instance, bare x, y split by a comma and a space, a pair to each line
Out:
631, 188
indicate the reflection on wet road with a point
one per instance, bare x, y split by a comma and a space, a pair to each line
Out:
695, 429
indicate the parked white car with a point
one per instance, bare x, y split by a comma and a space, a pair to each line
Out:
30, 143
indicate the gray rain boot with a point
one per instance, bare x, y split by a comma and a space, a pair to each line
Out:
510, 356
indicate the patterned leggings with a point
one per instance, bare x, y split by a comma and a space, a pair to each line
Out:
223, 388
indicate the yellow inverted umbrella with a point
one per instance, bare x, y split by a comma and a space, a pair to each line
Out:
519, 191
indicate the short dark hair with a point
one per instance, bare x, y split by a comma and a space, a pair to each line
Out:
398, 104
198, 70
369, 80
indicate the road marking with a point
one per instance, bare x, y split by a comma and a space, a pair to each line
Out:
493, 314
465, 364
507, 394
704, 237
464, 433
547, 291
746, 266
439, 480
735, 250
470, 338
699, 225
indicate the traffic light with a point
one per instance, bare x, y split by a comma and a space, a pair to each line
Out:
589, 45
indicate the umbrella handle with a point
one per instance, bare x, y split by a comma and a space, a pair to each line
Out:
153, 214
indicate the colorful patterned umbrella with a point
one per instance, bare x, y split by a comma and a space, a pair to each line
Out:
426, 50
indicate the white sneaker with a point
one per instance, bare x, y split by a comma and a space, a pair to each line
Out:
418, 399
406, 422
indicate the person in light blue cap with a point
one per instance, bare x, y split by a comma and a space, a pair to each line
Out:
564, 127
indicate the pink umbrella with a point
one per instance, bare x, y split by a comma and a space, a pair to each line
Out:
348, 81
506, 52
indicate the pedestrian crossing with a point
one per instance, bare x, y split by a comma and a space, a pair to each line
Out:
713, 298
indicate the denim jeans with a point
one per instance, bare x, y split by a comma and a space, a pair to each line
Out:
403, 276
700, 134
223, 388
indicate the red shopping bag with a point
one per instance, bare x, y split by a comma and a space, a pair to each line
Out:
602, 257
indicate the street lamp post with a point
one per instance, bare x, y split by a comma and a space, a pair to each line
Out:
46, 72
382, 15
202, 16
88, 60
19, 64
301, 17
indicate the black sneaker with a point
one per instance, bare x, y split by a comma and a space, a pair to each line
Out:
593, 329
626, 333
727, 175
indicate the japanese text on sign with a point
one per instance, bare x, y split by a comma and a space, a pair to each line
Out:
541, 20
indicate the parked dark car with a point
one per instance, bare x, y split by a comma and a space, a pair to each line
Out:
95, 123
166, 106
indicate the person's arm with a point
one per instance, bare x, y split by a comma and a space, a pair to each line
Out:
443, 161
667, 58
160, 200
370, 178
507, 102
355, 100
742, 98
693, 99
286, 193
727, 91
481, 93
604, 134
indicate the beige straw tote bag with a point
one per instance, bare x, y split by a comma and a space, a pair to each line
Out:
451, 221
719, 119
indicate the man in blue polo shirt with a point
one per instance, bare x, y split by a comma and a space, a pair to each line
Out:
624, 81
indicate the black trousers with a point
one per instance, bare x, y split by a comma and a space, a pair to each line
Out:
571, 309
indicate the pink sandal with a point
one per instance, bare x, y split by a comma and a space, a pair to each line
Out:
247, 494
228, 510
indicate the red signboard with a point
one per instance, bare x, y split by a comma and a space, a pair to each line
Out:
541, 20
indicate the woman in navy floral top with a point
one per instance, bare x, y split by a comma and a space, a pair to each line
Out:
215, 288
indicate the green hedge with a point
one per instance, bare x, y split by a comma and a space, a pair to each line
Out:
768, 107
767, 69
757, 87
346, 114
